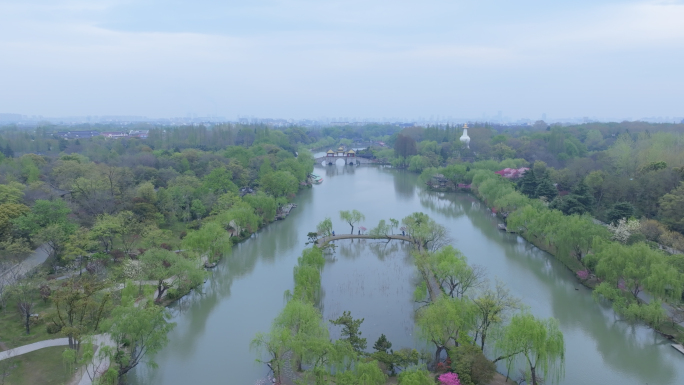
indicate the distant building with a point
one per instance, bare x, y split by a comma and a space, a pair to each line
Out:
77, 134
114, 134
438, 180
142, 134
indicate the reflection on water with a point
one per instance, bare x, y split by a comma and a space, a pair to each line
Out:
380, 289
403, 188
375, 280
632, 350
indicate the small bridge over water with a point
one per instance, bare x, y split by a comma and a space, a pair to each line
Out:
348, 160
325, 240
349, 157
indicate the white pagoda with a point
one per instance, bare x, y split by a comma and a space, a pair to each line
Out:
465, 138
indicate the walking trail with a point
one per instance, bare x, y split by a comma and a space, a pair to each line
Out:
83, 376
33, 347
36, 258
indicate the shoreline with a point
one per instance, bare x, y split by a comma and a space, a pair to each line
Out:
588, 283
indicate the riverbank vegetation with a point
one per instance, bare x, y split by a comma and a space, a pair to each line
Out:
629, 169
605, 258
456, 311
128, 225
562, 182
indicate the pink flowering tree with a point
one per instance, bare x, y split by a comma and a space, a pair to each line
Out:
583, 274
449, 379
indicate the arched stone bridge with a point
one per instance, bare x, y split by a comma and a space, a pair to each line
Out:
354, 160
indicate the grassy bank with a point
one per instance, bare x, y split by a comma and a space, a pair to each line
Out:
44, 366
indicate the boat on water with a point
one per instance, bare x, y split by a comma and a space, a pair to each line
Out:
315, 179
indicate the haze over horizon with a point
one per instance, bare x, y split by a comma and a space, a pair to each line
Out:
305, 59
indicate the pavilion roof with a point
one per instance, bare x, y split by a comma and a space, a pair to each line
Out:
330, 152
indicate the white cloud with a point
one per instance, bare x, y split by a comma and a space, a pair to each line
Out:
358, 63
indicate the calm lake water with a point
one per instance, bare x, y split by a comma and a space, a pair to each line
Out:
375, 280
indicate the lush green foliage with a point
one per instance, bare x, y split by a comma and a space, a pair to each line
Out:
415, 377
114, 209
325, 228
352, 217
623, 268
538, 343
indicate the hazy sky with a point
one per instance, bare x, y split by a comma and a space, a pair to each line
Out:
352, 58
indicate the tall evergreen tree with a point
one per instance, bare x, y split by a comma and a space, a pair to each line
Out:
350, 330
546, 189
382, 344
620, 210
528, 184
579, 201
583, 194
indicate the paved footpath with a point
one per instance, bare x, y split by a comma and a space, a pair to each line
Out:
33, 347
98, 366
36, 258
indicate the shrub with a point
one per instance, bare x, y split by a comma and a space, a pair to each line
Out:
53, 328
415, 377
449, 379
45, 292
636, 238
472, 366
173, 294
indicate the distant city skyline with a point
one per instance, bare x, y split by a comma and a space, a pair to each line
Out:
33, 120
302, 59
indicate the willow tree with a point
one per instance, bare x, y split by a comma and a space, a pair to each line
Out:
635, 268
429, 234
239, 217
325, 227
170, 270
445, 322
305, 325
136, 333
493, 308
575, 235
211, 240
352, 217
453, 273
538, 343
627, 271
363, 373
